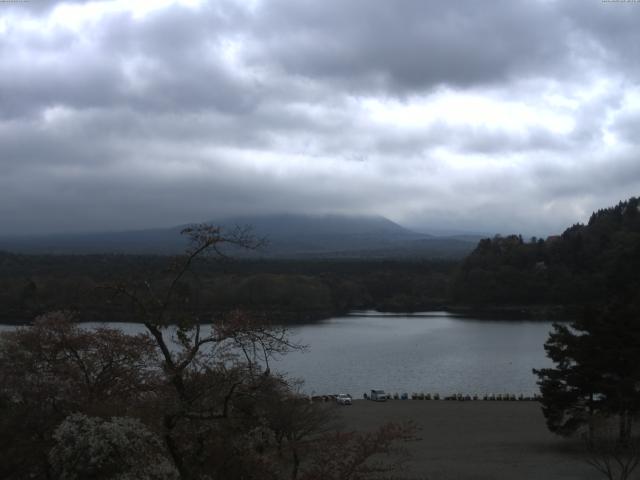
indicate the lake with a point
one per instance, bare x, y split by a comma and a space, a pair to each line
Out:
424, 352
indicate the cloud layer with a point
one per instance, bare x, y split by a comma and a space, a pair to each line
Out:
496, 117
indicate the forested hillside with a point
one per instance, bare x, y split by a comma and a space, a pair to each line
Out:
587, 264
284, 290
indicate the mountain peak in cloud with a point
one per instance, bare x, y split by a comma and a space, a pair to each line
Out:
286, 235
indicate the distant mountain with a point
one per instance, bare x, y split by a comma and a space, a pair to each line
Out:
301, 235
287, 235
287, 225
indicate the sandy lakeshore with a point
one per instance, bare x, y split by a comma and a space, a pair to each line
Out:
476, 440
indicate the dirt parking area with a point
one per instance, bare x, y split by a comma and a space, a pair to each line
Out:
476, 440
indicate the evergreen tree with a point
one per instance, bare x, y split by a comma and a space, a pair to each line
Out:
597, 371
569, 391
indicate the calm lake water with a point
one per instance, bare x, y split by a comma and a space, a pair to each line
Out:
424, 352
427, 352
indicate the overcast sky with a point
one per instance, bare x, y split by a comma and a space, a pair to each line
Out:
493, 116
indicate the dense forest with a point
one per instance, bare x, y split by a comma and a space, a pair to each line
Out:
586, 265
287, 290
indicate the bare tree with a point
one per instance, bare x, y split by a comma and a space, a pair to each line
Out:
613, 458
213, 370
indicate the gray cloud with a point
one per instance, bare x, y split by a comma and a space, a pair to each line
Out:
170, 61
412, 45
507, 116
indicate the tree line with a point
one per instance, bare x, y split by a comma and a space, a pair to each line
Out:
595, 380
585, 265
289, 290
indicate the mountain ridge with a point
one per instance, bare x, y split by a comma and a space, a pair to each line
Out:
289, 235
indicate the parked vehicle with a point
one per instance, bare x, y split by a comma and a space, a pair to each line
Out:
379, 395
343, 399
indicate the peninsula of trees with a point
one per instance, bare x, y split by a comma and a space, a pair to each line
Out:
584, 266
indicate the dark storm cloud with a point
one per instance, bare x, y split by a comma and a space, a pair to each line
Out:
138, 197
115, 118
413, 45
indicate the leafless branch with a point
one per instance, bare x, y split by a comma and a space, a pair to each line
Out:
614, 459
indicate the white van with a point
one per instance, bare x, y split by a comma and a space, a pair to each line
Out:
378, 395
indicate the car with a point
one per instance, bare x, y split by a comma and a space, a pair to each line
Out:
379, 395
343, 399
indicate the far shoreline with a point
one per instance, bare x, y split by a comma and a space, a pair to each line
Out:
532, 313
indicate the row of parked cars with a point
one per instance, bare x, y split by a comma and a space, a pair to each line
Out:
382, 396
376, 396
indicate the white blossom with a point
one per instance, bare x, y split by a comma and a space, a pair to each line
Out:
121, 448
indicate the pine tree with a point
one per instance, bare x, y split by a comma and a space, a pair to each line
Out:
597, 371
